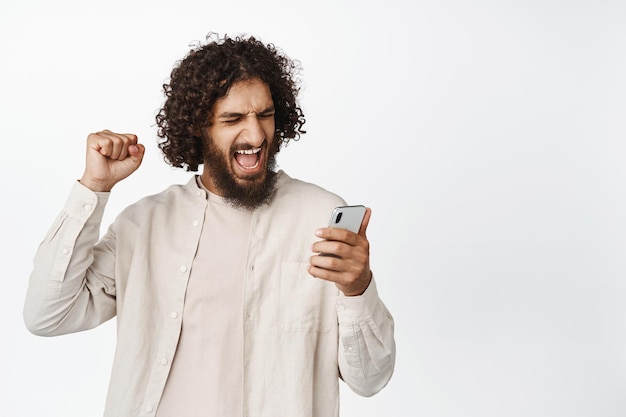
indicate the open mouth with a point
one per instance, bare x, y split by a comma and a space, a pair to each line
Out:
249, 160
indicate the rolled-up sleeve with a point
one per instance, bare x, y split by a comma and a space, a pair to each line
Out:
367, 348
65, 294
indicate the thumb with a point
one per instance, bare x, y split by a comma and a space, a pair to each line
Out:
136, 153
365, 222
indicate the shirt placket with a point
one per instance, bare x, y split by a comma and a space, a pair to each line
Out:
250, 305
181, 269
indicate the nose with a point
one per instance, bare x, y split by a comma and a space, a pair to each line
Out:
253, 132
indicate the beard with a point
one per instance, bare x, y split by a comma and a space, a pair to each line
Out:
248, 193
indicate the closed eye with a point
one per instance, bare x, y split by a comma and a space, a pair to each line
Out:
229, 118
266, 115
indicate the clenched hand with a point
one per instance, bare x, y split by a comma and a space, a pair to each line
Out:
111, 157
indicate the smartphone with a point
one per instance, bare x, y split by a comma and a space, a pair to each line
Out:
347, 217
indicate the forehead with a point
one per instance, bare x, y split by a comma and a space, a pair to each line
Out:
245, 96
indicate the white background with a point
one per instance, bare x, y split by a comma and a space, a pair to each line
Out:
487, 136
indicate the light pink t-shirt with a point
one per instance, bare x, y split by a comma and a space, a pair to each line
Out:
206, 375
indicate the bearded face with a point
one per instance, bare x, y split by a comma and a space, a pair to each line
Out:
247, 191
240, 146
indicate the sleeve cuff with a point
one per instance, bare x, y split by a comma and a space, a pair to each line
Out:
357, 308
85, 204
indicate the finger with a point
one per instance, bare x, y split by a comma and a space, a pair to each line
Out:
336, 234
118, 143
125, 141
338, 277
103, 142
100, 143
128, 140
130, 137
320, 273
325, 274
353, 262
324, 261
331, 247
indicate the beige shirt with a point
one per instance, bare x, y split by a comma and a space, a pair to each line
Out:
206, 378
299, 333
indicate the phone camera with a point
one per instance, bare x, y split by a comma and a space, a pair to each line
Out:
338, 217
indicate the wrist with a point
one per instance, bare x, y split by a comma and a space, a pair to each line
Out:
95, 186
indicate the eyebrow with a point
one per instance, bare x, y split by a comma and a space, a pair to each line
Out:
227, 115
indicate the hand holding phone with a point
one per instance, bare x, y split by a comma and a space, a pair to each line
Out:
341, 257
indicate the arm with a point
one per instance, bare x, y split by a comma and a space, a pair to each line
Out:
367, 349
65, 294
366, 329
72, 286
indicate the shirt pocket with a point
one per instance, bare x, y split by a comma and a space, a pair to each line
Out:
307, 304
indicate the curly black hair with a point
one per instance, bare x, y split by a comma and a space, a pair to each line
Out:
205, 75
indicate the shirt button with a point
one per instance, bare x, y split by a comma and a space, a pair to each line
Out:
174, 315
65, 251
164, 361
149, 409
196, 223
183, 268
341, 307
87, 207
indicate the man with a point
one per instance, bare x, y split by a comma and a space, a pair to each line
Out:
225, 305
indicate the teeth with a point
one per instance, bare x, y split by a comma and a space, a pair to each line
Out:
249, 151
